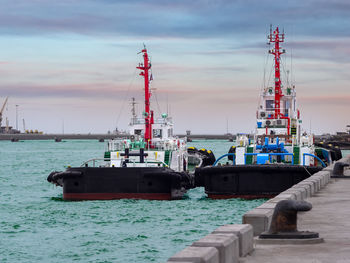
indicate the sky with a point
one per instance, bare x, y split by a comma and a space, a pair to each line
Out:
69, 65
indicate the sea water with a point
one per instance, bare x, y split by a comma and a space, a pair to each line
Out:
36, 225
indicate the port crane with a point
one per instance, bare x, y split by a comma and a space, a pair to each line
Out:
2, 109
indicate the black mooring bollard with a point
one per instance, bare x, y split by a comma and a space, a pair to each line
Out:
284, 221
338, 170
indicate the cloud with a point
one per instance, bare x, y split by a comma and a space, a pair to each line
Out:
333, 100
68, 90
97, 90
163, 18
175, 68
322, 49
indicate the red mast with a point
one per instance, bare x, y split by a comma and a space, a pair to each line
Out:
148, 114
277, 38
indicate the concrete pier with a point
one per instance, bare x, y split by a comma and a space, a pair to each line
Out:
229, 241
330, 217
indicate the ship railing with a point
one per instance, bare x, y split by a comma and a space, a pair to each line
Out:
160, 145
163, 120
138, 120
223, 156
149, 162
252, 154
134, 162
94, 160
270, 154
311, 155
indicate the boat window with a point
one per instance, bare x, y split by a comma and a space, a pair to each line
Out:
270, 105
138, 132
170, 132
157, 133
286, 107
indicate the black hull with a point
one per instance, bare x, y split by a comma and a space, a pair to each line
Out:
250, 181
105, 183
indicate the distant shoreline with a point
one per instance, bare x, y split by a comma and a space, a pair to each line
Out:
342, 142
25, 136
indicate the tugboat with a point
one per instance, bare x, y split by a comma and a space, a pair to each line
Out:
278, 156
151, 164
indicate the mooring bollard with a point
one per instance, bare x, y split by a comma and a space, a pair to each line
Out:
338, 170
284, 221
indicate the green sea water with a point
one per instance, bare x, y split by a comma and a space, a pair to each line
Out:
36, 225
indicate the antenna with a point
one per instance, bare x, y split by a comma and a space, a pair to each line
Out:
133, 103
133, 109
167, 103
291, 60
310, 126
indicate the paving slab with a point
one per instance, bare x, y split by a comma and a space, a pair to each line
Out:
196, 255
329, 217
304, 191
298, 193
259, 218
244, 232
226, 244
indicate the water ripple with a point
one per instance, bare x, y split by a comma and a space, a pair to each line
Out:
37, 225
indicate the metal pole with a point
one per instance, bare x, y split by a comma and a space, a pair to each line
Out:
16, 117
